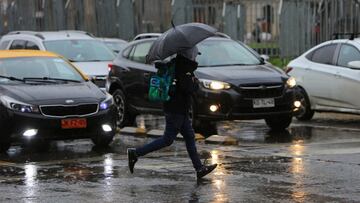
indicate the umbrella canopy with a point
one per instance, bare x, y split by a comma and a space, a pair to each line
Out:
179, 39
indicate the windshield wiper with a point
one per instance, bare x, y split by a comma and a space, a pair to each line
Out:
73, 60
12, 78
49, 79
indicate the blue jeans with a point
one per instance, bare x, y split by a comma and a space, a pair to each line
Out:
175, 123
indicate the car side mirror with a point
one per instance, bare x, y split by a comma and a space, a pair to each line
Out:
265, 57
354, 64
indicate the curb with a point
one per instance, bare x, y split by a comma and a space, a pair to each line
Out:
155, 133
224, 140
133, 131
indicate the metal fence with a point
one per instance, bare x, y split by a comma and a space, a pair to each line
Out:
284, 28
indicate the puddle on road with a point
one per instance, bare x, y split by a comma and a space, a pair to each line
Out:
255, 132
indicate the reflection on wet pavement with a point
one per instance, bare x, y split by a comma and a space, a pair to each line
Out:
301, 164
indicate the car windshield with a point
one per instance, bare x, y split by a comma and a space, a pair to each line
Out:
81, 50
115, 46
38, 69
224, 53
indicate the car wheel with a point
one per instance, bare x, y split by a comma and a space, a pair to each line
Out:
5, 132
204, 127
38, 145
4, 146
304, 113
123, 117
279, 122
102, 140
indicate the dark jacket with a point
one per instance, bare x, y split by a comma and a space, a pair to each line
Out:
186, 85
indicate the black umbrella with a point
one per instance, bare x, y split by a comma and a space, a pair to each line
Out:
178, 39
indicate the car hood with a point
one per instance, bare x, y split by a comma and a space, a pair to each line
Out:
238, 75
98, 68
47, 94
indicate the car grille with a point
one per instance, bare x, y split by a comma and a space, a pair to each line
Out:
262, 91
67, 111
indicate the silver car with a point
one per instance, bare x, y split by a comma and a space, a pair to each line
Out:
81, 48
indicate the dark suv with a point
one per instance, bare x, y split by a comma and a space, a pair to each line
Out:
235, 84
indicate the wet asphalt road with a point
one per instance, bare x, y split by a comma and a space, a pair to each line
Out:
315, 161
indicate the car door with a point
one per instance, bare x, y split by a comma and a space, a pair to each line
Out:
348, 79
319, 75
141, 72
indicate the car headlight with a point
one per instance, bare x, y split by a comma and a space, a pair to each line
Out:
107, 103
291, 82
215, 85
16, 105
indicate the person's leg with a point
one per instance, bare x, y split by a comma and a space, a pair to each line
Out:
173, 123
188, 133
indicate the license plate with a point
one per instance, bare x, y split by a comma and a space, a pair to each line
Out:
73, 123
263, 103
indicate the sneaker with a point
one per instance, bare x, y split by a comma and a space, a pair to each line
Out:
205, 170
132, 158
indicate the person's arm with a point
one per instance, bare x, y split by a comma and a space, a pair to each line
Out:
188, 83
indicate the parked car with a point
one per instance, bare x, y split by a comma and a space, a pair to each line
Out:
116, 45
235, 84
81, 48
328, 78
43, 97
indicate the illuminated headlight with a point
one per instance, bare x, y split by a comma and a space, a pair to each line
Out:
18, 105
291, 82
215, 85
107, 103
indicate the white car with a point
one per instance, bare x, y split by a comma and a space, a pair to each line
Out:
328, 76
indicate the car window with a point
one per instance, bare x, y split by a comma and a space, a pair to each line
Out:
18, 44
126, 52
81, 50
4, 44
347, 54
324, 54
139, 52
31, 45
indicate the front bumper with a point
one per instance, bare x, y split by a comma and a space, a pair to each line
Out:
233, 106
50, 128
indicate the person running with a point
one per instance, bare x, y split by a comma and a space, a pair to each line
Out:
177, 118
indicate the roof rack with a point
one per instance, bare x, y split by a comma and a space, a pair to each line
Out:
78, 31
36, 34
352, 36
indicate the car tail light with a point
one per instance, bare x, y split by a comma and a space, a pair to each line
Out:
288, 69
110, 66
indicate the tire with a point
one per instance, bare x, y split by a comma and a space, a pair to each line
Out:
279, 122
102, 140
204, 127
4, 146
123, 116
304, 113
5, 142
38, 145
